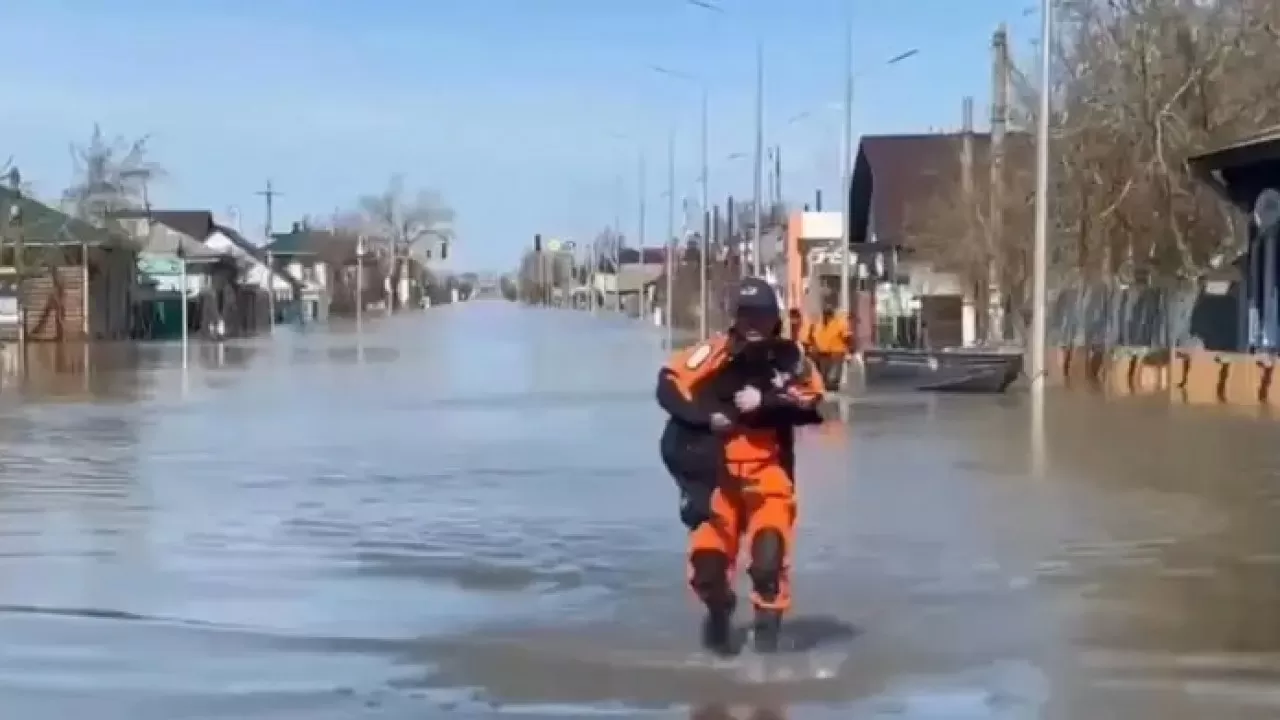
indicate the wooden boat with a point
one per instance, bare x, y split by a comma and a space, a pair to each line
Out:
951, 371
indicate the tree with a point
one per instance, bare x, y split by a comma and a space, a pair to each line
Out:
1138, 87
405, 227
7, 172
112, 174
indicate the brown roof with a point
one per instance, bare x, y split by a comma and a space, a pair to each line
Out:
197, 224
894, 174
1240, 171
1258, 147
645, 255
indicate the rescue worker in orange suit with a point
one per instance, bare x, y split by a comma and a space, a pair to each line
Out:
831, 342
734, 402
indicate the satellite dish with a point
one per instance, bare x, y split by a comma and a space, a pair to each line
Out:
1266, 211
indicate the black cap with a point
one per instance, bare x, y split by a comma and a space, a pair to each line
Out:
755, 294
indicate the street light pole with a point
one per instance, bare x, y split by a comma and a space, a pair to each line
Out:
669, 252
641, 171
704, 248
616, 243
846, 167
705, 182
758, 183
1040, 262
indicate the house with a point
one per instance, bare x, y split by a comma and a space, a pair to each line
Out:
1246, 175
259, 270
324, 262
897, 181
637, 287
61, 279
177, 265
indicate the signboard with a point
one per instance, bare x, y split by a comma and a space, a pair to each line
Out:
828, 254
826, 259
159, 265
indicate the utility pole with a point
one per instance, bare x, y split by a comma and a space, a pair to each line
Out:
757, 267
846, 181
616, 247
269, 195
846, 169
705, 245
359, 285
643, 209
1039, 276
16, 220
995, 224
669, 253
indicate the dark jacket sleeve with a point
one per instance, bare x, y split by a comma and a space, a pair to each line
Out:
777, 408
678, 405
794, 403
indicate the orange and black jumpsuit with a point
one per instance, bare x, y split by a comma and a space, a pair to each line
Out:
748, 470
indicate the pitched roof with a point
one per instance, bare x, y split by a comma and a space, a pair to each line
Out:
896, 174
644, 255
1241, 170
296, 242
333, 247
255, 252
43, 225
175, 233
1258, 147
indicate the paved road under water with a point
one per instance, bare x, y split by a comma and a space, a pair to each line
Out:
461, 513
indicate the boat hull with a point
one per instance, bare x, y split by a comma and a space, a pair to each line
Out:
943, 372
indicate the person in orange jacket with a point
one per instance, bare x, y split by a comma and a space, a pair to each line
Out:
831, 344
733, 404
801, 331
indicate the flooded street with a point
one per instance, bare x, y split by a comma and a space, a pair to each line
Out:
463, 513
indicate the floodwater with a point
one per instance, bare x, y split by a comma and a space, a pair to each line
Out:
461, 513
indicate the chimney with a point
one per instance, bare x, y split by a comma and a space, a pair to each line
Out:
817, 200
297, 227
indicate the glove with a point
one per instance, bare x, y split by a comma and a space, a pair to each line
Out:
747, 399
695, 504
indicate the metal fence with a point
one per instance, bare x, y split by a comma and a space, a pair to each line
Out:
1108, 315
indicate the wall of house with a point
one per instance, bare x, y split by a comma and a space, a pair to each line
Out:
111, 291
53, 305
256, 273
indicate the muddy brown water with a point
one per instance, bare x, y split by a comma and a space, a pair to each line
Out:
461, 513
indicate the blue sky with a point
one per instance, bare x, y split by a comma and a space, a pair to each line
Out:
512, 109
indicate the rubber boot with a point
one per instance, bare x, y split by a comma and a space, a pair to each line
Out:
767, 567
767, 632
710, 581
717, 627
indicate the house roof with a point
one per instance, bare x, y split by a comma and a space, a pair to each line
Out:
334, 247
256, 253
296, 242
1254, 148
196, 224
894, 174
642, 255
1241, 170
177, 233
43, 225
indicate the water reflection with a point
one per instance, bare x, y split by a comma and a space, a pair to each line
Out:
725, 712
463, 510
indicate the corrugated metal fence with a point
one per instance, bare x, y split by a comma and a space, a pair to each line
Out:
1109, 315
